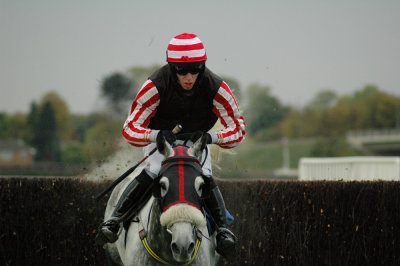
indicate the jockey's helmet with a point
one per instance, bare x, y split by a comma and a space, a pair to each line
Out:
186, 48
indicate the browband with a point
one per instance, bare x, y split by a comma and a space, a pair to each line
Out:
181, 158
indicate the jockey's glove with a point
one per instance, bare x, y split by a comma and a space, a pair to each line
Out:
168, 136
198, 134
209, 139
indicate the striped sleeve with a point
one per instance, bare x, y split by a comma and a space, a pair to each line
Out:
144, 107
226, 108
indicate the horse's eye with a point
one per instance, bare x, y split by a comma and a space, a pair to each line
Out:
164, 185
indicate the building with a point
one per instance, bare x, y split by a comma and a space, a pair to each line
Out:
14, 152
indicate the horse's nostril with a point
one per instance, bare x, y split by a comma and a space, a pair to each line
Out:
191, 248
175, 248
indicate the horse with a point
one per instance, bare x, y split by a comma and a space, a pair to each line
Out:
171, 227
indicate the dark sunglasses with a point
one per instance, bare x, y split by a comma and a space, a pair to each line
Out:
185, 69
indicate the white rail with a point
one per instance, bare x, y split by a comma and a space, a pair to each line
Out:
350, 168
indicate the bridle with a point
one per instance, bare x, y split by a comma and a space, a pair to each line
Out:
179, 158
143, 239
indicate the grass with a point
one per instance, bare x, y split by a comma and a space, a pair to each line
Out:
260, 159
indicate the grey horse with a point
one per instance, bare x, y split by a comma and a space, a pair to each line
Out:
171, 227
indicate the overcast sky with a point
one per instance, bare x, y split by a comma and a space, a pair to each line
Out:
295, 47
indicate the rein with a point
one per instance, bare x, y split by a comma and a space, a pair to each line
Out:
189, 158
177, 160
143, 238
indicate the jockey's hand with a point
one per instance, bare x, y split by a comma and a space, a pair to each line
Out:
198, 134
168, 135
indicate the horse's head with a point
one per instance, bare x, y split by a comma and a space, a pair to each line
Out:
180, 190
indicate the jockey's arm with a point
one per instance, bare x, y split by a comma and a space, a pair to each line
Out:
144, 107
226, 108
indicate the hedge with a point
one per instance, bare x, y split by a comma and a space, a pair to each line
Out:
53, 221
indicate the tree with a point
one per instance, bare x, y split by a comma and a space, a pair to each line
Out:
46, 141
365, 93
80, 124
61, 114
4, 125
263, 110
292, 126
119, 89
377, 111
330, 116
115, 88
32, 122
17, 126
332, 146
139, 75
101, 140
74, 153
14, 126
323, 100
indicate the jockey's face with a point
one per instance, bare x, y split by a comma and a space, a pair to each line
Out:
187, 81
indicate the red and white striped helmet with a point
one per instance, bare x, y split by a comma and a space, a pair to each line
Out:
186, 47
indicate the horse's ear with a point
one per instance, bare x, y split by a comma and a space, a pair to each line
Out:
197, 148
164, 147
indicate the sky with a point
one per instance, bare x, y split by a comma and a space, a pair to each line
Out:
297, 48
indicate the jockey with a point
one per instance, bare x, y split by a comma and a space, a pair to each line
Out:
184, 92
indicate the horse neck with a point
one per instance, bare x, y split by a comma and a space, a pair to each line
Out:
159, 239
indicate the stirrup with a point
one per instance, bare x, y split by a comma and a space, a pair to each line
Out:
108, 231
226, 242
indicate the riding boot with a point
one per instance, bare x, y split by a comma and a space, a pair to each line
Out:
108, 231
226, 240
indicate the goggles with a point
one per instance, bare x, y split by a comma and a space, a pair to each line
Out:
185, 68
